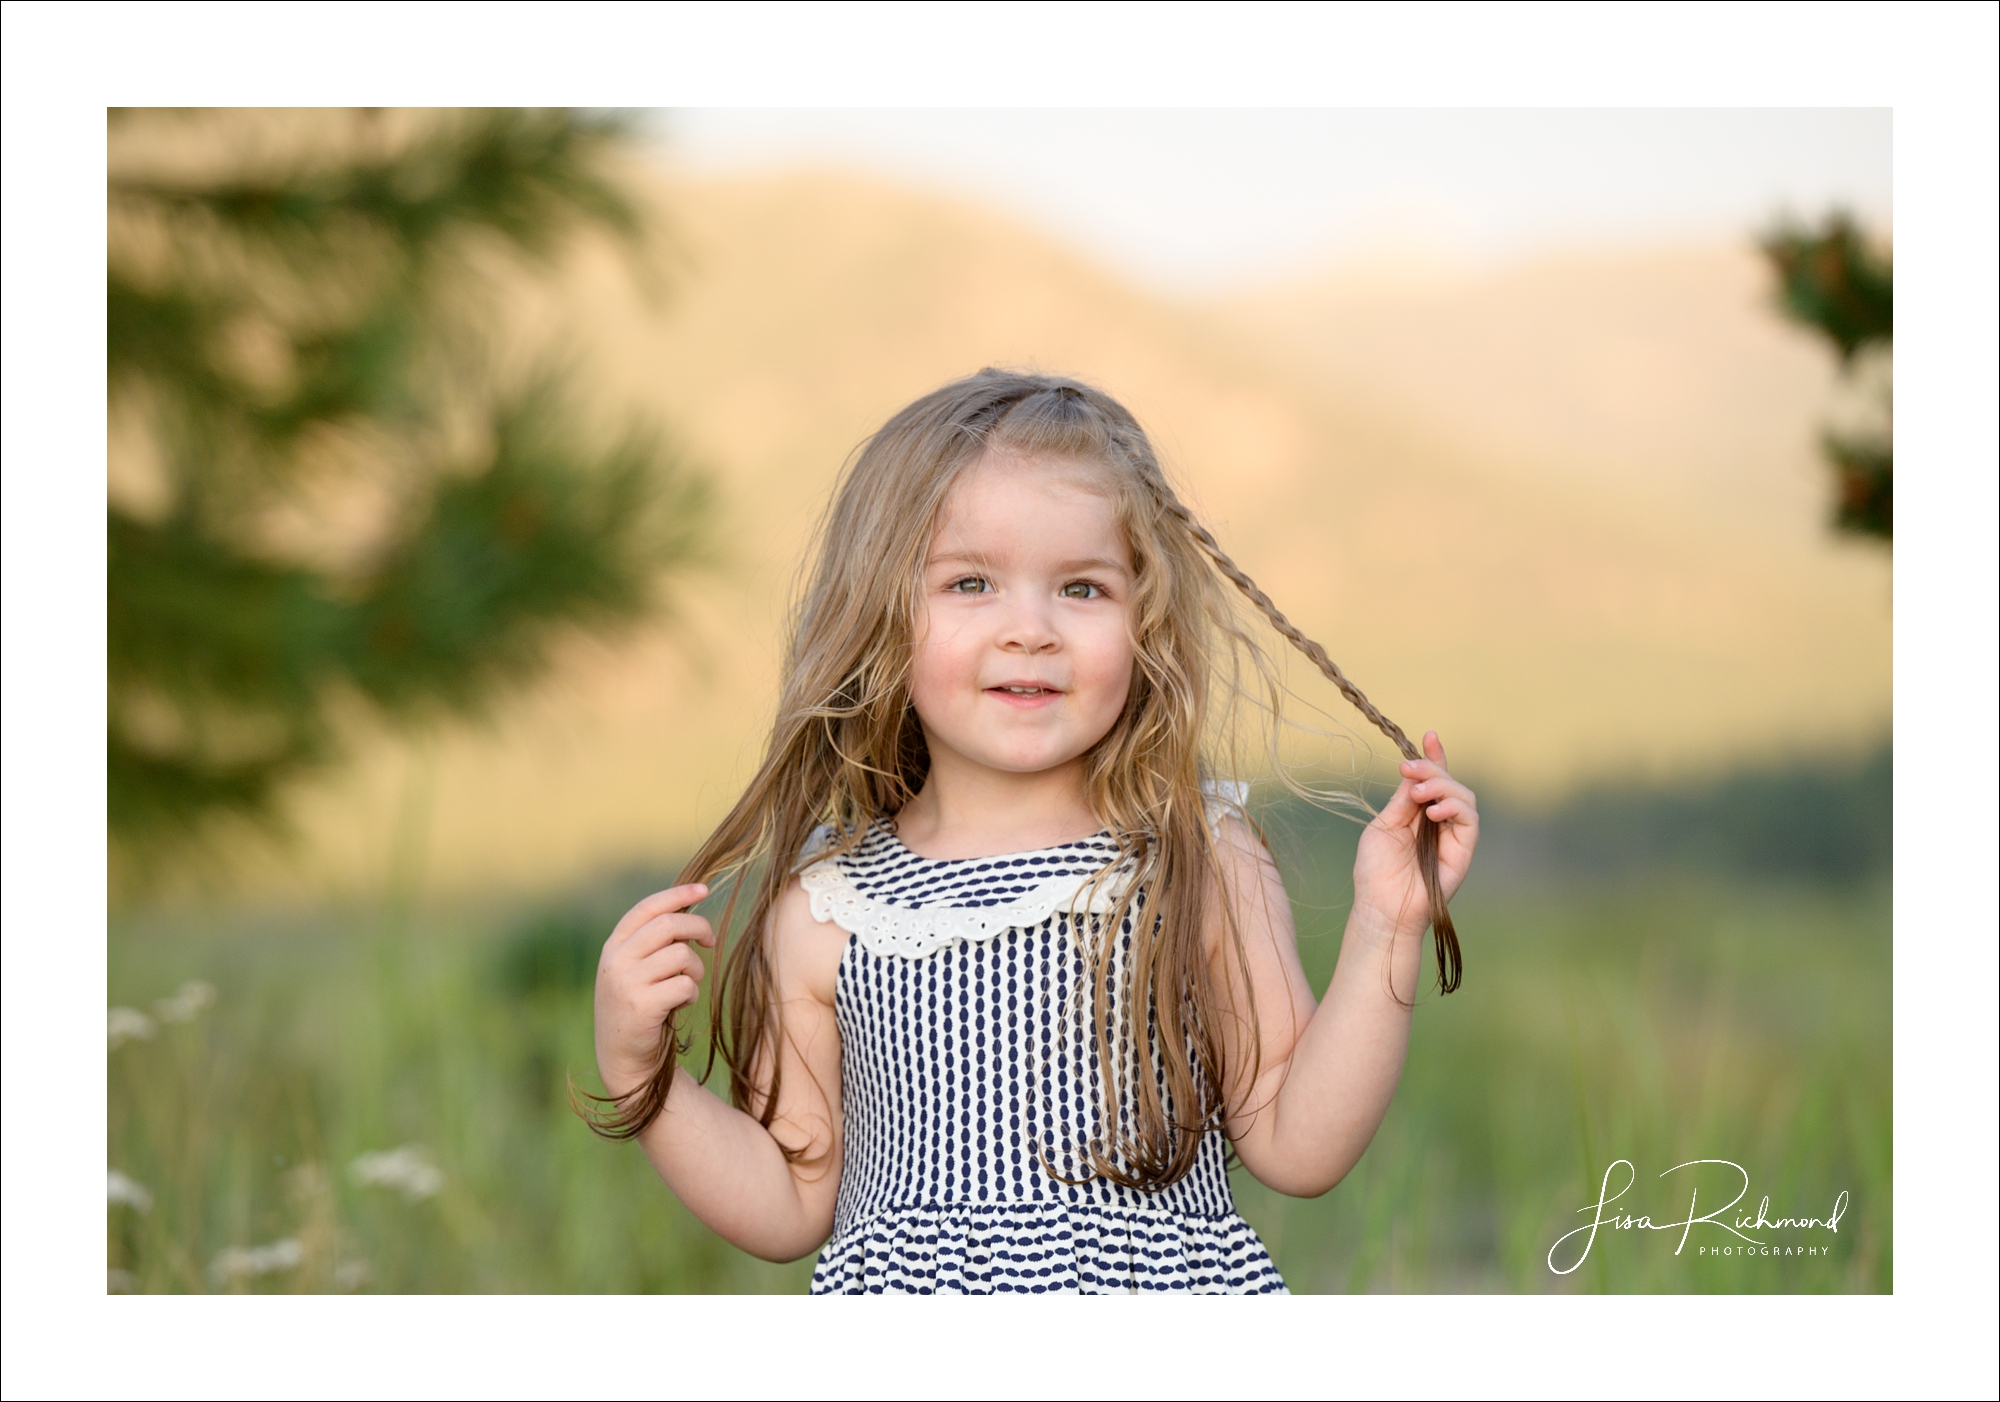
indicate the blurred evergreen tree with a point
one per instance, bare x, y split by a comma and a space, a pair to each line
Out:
1833, 281
345, 490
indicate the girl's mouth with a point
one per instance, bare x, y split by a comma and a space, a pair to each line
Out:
1025, 695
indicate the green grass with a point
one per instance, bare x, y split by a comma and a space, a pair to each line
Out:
1656, 1022
335, 1037
1659, 1013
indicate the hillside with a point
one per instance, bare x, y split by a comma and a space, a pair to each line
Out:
1567, 514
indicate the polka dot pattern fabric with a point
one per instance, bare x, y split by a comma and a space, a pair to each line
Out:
971, 1089
886, 871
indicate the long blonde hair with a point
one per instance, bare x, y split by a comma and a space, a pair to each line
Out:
846, 750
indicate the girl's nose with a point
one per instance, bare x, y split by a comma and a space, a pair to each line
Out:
1029, 628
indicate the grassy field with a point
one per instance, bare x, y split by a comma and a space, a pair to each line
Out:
374, 1100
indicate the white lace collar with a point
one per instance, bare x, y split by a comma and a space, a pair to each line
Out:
833, 887
888, 929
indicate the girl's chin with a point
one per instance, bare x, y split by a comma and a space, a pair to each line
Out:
1036, 760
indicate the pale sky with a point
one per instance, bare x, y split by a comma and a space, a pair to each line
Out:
1194, 199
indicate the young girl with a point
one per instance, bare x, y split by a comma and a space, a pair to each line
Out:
1015, 977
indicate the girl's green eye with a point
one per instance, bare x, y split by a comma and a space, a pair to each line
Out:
1079, 589
971, 584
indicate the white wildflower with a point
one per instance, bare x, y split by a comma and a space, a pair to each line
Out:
126, 1192
238, 1262
121, 1282
408, 1170
351, 1275
188, 1002
129, 1025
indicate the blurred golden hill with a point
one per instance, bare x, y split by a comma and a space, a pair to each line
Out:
1567, 513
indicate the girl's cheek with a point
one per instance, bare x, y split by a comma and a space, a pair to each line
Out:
938, 669
1110, 669
928, 684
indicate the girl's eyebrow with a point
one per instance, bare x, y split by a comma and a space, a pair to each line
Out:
960, 557
984, 561
1093, 562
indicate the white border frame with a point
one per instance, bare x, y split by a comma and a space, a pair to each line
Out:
1934, 64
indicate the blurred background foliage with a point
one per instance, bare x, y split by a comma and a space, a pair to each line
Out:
348, 490
346, 493
1835, 280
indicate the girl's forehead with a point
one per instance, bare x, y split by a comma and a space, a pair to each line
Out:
1028, 501
998, 479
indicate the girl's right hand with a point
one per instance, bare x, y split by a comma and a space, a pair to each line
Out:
647, 972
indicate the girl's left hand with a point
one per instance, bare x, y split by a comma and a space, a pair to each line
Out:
1387, 881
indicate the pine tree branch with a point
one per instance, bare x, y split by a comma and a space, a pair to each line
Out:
1863, 469
1834, 282
527, 176
246, 312
539, 536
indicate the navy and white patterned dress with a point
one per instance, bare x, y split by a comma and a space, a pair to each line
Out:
965, 1065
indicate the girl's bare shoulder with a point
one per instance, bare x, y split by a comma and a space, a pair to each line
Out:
1250, 878
807, 951
1241, 851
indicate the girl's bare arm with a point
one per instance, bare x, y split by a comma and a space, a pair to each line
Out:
1327, 1070
732, 1172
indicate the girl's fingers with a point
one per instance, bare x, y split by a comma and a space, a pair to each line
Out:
678, 992
663, 934
1432, 790
676, 960
1401, 809
663, 930
654, 1001
1411, 794
1434, 762
1428, 789
1423, 771
659, 903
